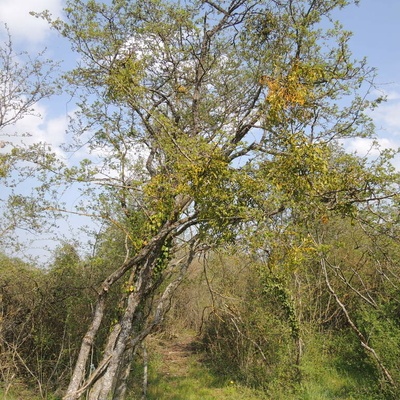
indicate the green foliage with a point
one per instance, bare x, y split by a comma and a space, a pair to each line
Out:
4, 165
276, 289
220, 125
335, 367
20, 302
383, 334
42, 318
248, 314
20, 392
250, 335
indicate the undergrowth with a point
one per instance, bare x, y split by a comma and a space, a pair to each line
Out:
323, 376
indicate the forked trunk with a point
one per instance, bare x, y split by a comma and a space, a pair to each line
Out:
108, 379
115, 344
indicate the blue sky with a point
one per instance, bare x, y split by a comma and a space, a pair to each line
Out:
376, 28
375, 24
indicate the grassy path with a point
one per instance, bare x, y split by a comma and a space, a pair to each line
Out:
178, 372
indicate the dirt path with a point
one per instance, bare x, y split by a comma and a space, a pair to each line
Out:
180, 373
176, 354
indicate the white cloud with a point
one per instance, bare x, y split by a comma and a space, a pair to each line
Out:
387, 117
38, 127
372, 148
392, 95
366, 146
23, 26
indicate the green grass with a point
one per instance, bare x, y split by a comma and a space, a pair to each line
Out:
323, 377
188, 378
326, 375
21, 393
198, 383
183, 375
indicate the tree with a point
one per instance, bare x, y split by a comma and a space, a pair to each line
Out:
204, 123
323, 290
25, 80
19, 305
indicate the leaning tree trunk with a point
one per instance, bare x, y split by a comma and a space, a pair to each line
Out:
121, 343
162, 308
78, 385
119, 336
103, 379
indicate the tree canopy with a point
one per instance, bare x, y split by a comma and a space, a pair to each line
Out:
207, 124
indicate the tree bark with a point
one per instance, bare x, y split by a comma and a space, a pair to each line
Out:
87, 343
119, 337
114, 382
146, 255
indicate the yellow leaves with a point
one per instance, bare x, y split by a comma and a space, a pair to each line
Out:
285, 92
298, 255
316, 178
202, 177
324, 219
125, 78
160, 192
296, 87
182, 89
206, 174
291, 250
264, 80
220, 193
128, 287
301, 169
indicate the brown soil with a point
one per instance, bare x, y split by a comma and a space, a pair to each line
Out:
176, 355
